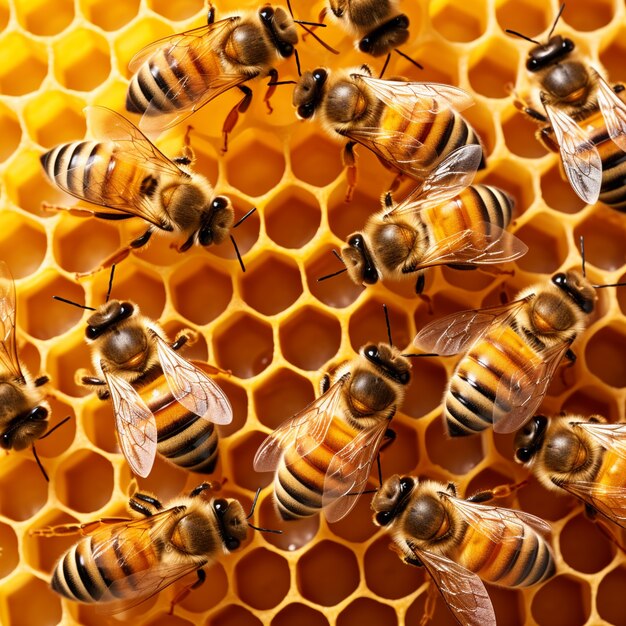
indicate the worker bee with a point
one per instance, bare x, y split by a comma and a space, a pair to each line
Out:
511, 352
460, 542
124, 562
175, 76
445, 221
586, 457
584, 120
127, 174
162, 402
323, 455
410, 126
377, 25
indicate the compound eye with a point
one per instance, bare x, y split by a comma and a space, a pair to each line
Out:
404, 378
92, 332
266, 14
220, 203
6, 441
568, 45
287, 50
126, 310
383, 518
320, 76
365, 45
406, 485
38, 413
523, 455
371, 352
559, 279
231, 543
220, 506
532, 65
306, 111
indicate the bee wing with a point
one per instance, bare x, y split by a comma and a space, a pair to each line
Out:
463, 591
456, 332
305, 430
135, 424
348, 472
473, 247
580, 157
520, 395
448, 179
192, 387
609, 436
613, 111
607, 499
8, 345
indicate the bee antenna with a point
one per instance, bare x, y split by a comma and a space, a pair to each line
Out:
514, 32
318, 39
408, 58
611, 285
41, 467
556, 19
388, 324
80, 306
110, 283
316, 24
385, 64
582, 254
341, 271
69, 417
246, 216
259, 528
243, 267
297, 57
411, 355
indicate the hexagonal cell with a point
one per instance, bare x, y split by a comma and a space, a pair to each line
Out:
24, 489
508, 604
9, 548
234, 615
517, 181
271, 284
281, 395
367, 611
547, 244
558, 193
547, 505
11, 132
64, 358
610, 589
604, 232
490, 478
402, 455
91, 615
345, 218
327, 573
562, 601
240, 456
143, 287
239, 402
428, 382
292, 217
388, 576
109, 16
166, 480
443, 61
458, 455
457, 21
269, 162
244, 345
45, 17
494, 67
315, 159
611, 55
177, 10
262, 578
82, 60
35, 306
367, 325
300, 614
309, 338
200, 292
472, 280
23, 260
209, 595
580, 16
80, 245
99, 425
21, 608
5, 14
63, 437
338, 291
357, 525
592, 400
55, 117
23, 63
584, 546
528, 16
519, 134
604, 355
76, 480
442, 616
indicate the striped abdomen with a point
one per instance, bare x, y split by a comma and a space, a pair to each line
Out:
115, 555
299, 480
182, 437
90, 170
468, 210
469, 403
612, 473
520, 558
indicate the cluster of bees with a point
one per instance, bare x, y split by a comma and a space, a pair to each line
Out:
323, 456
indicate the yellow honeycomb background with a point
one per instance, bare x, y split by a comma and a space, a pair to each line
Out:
275, 327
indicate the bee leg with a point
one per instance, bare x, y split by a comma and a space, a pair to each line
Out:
213, 485
606, 530
501, 491
83, 378
72, 529
388, 199
521, 105
187, 336
188, 156
349, 162
144, 504
546, 136
210, 18
233, 115
571, 361
430, 604
271, 88
183, 593
419, 287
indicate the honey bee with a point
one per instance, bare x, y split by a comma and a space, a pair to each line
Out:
445, 221
162, 402
177, 75
584, 120
410, 126
511, 352
583, 456
460, 542
24, 409
124, 562
323, 455
128, 175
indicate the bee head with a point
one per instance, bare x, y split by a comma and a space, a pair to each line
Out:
281, 28
108, 316
25, 429
217, 220
389, 362
358, 260
529, 439
308, 92
577, 288
556, 50
231, 521
392, 498
386, 37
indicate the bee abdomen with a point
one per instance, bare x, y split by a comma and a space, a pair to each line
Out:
613, 189
298, 488
491, 205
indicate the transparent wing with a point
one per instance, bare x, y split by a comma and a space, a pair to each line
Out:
192, 387
456, 332
447, 180
609, 436
607, 499
9, 362
580, 157
488, 244
519, 396
136, 426
613, 111
463, 591
349, 471
306, 430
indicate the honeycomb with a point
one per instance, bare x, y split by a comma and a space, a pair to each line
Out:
275, 327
